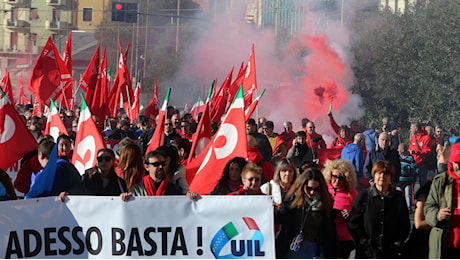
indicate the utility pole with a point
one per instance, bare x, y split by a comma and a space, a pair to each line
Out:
146, 37
177, 27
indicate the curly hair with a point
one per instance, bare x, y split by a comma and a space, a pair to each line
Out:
346, 168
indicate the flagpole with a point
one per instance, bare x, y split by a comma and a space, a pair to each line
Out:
257, 109
129, 104
63, 93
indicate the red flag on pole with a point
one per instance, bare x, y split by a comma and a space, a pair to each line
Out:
136, 103
99, 100
158, 135
87, 142
38, 110
253, 105
68, 90
230, 141
54, 125
89, 79
249, 80
22, 98
219, 101
50, 75
152, 109
5, 84
202, 136
15, 139
197, 108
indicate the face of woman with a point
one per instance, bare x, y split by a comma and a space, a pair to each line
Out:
64, 147
105, 162
337, 178
251, 181
234, 172
381, 179
312, 188
286, 175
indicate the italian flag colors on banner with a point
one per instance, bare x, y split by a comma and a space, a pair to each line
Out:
54, 125
87, 142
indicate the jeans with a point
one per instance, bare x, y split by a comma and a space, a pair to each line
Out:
406, 185
422, 175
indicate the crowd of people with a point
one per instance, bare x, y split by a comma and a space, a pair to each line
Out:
360, 201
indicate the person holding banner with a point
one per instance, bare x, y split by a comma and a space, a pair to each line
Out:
156, 183
6, 187
251, 176
285, 175
102, 179
307, 219
231, 177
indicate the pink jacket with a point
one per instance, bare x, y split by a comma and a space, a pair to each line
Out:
342, 200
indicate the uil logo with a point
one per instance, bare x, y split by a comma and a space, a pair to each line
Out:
240, 239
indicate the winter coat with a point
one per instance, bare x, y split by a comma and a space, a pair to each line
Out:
379, 224
372, 139
93, 181
440, 196
300, 153
354, 154
378, 154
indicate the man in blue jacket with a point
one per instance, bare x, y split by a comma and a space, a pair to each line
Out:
354, 154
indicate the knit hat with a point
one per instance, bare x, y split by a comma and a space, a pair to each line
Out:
455, 153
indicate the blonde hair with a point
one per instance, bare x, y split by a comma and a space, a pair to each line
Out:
251, 167
283, 164
346, 168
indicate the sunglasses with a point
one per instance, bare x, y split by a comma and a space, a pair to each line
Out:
156, 164
340, 178
168, 123
106, 158
315, 189
183, 126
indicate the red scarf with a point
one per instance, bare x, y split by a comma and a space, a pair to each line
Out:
150, 186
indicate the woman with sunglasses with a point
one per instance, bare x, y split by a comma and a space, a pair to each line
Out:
251, 176
340, 177
379, 220
307, 222
102, 179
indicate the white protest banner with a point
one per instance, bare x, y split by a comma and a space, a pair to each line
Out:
144, 227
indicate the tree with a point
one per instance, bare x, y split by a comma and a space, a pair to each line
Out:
407, 64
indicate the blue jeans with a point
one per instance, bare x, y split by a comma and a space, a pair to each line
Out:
422, 175
405, 184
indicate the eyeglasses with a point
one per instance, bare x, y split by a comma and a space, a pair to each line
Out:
106, 158
168, 123
183, 126
340, 178
315, 189
312, 127
156, 164
253, 179
265, 129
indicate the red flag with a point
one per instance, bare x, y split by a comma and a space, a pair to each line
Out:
68, 90
252, 106
158, 135
202, 136
229, 141
99, 98
219, 101
152, 109
15, 139
121, 86
136, 103
38, 111
87, 142
89, 79
197, 108
54, 125
249, 80
50, 75
5, 84
22, 98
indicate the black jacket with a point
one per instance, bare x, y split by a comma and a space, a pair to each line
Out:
377, 155
92, 180
139, 189
379, 224
291, 219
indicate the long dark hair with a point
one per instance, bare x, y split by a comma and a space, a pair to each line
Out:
297, 190
226, 173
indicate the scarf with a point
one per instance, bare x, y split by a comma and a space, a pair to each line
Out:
242, 191
150, 186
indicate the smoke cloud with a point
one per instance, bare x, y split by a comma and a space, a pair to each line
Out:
302, 78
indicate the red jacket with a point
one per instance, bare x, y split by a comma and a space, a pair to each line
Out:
423, 148
267, 168
320, 144
287, 138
